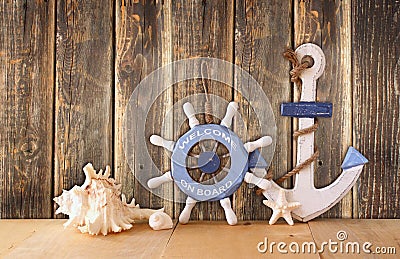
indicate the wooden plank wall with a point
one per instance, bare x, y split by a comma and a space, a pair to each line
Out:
256, 23
376, 106
83, 90
328, 24
68, 68
27, 108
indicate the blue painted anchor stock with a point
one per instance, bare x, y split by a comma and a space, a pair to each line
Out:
307, 110
313, 110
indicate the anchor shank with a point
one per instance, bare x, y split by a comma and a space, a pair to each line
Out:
305, 149
305, 144
309, 88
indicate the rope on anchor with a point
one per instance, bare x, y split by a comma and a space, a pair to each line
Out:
298, 68
299, 167
305, 131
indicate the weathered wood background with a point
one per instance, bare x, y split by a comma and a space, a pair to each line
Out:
68, 68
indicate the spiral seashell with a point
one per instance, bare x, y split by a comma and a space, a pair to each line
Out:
98, 206
160, 220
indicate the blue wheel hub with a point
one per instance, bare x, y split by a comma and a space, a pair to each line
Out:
208, 162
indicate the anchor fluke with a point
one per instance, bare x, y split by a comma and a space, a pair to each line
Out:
353, 158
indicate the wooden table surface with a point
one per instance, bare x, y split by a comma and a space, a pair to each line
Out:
201, 239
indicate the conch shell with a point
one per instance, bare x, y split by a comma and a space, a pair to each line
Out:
96, 206
160, 220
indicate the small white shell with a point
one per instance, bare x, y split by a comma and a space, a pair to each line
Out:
160, 220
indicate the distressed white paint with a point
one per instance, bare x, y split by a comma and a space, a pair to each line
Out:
231, 111
229, 214
159, 141
260, 182
313, 201
185, 214
259, 143
190, 114
157, 181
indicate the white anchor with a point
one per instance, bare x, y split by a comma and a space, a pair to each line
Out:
314, 201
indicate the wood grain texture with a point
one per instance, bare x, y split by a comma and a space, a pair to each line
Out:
51, 240
83, 115
48, 239
262, 33
142, 46
376, 99
328, 24
219, 240
26, 108
201, 29
21, 230
380, 233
